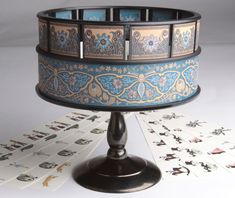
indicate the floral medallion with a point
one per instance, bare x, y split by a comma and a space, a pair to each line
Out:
183, 39
149, 42
104, 42
64, 39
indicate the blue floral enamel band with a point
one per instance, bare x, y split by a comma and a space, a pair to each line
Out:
118, 56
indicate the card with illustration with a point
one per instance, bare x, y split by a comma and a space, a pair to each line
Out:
59, 160
44, 141
55, 179
47, 134
197, 146
56, 147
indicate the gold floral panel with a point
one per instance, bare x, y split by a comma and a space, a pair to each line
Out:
149, 42
43, 40
197, 36
64, 39
183, 39
104, 42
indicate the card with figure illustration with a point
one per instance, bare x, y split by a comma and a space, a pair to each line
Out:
32, 167
40, 143
200, 147
57, 177
59, 160
32, 160
48, 133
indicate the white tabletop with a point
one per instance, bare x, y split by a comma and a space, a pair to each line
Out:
21, 109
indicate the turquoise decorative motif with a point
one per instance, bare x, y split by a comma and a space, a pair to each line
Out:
118, 85
103, 42
115, 84
183, 39
186, 39
94, 15
162, 15
64, 15
191, 76
129, 15
75, 81
163, 82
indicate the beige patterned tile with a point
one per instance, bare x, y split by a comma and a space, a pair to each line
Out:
183, 39
104, 42
64, 39
149, 42
43, 32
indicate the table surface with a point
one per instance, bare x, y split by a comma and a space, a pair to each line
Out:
21, 109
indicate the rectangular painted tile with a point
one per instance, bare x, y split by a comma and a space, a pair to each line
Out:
130, 14
161, 15
103, 42
43, 32
94, 14
64, 14
183, 39
197, 34
64, 39
149, 42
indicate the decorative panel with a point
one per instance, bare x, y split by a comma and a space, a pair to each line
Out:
104, 42
161, 15
197, 36
118, 85
43, 32
183, 39
130, 15
64, 39
64, 14
149, 42
94, 15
